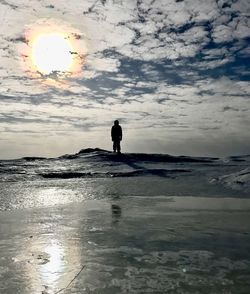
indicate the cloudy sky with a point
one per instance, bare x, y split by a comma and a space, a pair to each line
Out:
175, 73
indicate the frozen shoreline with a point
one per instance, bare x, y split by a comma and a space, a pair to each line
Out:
95, 222
128, 244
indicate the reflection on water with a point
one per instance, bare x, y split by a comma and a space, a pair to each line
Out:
47, 263
49, 257
116, 213
53, 196
55, 266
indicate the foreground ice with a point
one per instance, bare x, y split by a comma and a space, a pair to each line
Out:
128, 245
95, 222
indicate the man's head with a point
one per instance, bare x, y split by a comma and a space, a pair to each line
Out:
116, 122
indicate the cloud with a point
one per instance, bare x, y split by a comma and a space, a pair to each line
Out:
7, 3
172, 71
103, 64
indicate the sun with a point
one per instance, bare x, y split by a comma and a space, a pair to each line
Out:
52, 52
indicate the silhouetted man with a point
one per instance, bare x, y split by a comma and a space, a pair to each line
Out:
116, 135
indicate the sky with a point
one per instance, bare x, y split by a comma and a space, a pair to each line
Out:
174, 73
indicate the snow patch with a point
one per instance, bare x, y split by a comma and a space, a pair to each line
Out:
238, 181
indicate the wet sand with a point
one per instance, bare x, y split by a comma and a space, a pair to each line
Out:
128, 245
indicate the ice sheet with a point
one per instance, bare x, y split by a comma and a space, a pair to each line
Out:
128, 245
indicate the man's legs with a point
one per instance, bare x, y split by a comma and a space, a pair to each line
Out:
114, 146
117, 146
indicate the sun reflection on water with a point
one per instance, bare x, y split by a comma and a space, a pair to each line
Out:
53, 196
52, 270
50, 259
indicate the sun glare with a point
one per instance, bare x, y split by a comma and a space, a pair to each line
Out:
52, 53
53, 50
